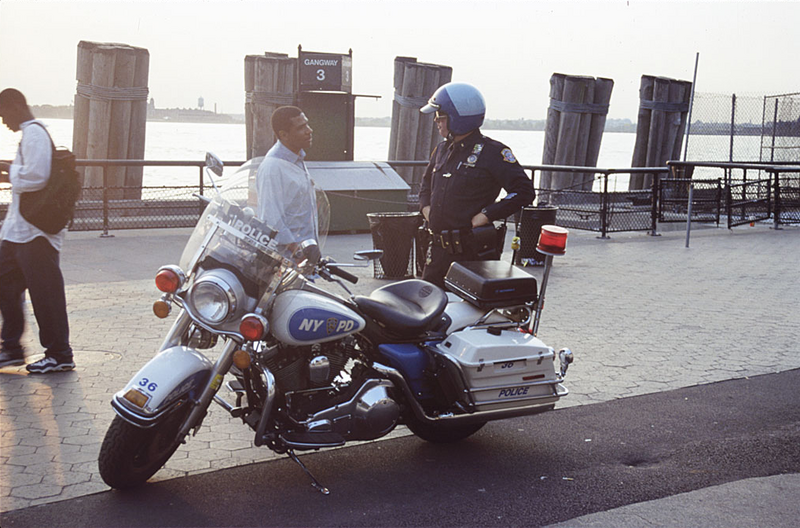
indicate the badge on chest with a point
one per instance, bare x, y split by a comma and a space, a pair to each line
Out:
472, 159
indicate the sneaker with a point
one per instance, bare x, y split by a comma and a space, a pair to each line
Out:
50, 364
9, 358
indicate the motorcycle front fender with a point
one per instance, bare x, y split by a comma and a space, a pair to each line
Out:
173, 376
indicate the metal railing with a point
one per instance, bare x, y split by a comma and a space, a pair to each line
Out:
754, 192
598, 206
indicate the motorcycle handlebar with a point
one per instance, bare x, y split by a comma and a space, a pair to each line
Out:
335, 270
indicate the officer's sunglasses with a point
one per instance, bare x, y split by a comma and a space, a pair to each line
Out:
439, 116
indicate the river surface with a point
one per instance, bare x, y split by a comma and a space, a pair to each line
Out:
190, 141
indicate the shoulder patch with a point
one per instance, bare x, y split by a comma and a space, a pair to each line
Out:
508, 155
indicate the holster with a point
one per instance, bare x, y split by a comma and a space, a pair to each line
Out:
488, 241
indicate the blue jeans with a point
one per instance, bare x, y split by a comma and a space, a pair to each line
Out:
33, 266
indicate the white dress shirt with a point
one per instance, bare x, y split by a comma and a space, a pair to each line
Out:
29, 172
286, 196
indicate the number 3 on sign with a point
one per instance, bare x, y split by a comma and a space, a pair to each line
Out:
320, 74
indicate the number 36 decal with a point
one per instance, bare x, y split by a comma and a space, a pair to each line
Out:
150, 385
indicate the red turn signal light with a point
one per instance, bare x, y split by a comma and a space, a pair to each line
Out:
552, 240
170, 279
253, 327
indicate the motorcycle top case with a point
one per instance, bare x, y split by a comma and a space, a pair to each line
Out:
504, 368
491, 283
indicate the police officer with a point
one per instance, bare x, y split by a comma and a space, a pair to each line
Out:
462, 181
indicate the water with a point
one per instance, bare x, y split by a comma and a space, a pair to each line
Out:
190, 141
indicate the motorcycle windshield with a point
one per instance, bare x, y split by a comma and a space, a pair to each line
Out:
237, 229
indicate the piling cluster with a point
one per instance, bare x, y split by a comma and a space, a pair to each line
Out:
269, 82
663, 110
111, 113
576, 118
413, 135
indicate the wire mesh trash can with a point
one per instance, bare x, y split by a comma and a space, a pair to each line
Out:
530, 226
395, 234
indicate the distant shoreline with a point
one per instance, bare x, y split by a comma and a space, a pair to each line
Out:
193, 115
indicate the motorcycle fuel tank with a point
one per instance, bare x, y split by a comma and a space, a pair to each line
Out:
304, 318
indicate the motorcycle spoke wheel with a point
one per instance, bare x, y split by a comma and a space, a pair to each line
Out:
442, 434
130, 455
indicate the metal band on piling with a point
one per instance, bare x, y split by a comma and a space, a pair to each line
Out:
579, 108
663, 106
109, 93
410, 102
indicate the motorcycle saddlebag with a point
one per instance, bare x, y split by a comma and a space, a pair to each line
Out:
491, 283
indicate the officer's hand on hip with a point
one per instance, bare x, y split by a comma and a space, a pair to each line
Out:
479, 220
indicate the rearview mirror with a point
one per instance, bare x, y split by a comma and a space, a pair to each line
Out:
214, 164
368, 254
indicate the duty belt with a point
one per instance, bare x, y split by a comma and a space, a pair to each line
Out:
449, 240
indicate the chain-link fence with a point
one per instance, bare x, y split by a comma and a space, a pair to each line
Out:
744, 128
780, 140
725, 128
172, 206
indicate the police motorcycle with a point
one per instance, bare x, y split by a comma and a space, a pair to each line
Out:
311, 369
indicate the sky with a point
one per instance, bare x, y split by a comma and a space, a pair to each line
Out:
508, 49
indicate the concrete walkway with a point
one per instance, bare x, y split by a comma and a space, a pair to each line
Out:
642, 314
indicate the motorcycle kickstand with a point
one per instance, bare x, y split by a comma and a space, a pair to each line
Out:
314, 482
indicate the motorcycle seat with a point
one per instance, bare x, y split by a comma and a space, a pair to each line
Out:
409, 307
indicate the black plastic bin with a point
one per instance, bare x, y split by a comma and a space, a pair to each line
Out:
530, 226
395, 234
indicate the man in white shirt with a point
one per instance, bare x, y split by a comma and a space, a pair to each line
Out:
286, 195
29, 257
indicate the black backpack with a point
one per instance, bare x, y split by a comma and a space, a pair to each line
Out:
52, 207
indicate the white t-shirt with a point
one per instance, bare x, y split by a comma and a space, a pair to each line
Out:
29, 172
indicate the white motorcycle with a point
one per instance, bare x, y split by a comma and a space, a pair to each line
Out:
310, 369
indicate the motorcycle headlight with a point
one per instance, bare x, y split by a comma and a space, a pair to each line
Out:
215, 295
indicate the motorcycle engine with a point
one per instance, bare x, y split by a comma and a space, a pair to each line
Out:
299, 368
356, 405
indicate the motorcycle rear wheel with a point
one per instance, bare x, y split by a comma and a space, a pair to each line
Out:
131, 455
444, 433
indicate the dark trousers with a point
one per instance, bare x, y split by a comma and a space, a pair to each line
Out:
33, 266
440, 260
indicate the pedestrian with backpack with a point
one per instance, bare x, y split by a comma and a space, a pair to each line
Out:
29, 256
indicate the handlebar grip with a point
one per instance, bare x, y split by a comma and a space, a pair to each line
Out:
343, 274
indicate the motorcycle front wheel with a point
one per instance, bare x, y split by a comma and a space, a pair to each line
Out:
443, 433
130, 455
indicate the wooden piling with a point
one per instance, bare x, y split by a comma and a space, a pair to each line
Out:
269, 83
663, 109
120, 120
413, 135
80, 118
602, 95
136, 139
99, 113
551, 129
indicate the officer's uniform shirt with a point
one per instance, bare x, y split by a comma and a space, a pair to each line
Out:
465, 177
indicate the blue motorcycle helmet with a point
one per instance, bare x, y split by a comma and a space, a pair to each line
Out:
463, 104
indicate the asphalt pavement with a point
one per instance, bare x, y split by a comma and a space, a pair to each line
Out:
644, 315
